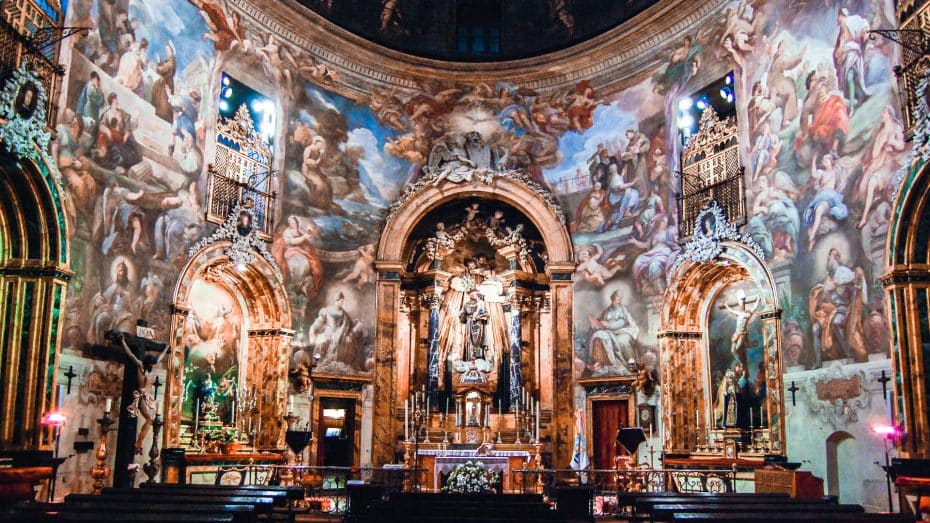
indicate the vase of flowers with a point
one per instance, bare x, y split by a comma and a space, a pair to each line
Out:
471, 477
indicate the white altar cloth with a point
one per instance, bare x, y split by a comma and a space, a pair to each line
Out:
496, 460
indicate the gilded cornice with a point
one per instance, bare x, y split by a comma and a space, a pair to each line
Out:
611, 61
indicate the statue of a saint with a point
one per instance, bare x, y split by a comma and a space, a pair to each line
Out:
477, 360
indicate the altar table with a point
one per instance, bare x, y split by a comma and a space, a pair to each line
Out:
437, 462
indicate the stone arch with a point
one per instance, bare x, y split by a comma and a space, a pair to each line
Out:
683, 341
546, 218
907, 286
542, 210
34, 275
260, 288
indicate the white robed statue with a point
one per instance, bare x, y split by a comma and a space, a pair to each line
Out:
477, 360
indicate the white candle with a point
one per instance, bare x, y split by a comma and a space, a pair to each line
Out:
750, 418
108, 405
537, 423
406, 419
650, 431
290, 404
447, 406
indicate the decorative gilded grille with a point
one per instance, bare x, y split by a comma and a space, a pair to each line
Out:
242, 171
711, 170
29, 34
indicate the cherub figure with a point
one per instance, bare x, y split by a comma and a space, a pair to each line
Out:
591, 270
142, 401
363, 271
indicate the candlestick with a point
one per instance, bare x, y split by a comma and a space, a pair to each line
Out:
650, 431
152, 467
290, 404
407, 419
101, 471
537, 422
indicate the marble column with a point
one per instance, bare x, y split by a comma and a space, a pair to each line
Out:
562, 299
434, 301
516, 359
388, 295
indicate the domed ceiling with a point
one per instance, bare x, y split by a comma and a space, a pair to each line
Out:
477, 30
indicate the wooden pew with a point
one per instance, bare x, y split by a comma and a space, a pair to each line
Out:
772, 517
644, 505
239, 513
263, 505
667, 512
110, 517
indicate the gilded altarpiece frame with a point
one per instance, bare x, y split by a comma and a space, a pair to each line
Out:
268, 340
684, 345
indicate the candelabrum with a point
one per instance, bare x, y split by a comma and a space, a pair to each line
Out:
152, 467
101, 470
247, 405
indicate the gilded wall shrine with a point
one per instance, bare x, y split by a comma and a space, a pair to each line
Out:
593, 132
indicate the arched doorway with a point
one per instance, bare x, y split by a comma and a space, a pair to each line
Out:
907, 284
401, 344
720, 327
34, 275
841, 448
230, 329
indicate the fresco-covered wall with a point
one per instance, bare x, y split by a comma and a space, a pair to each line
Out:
820, 137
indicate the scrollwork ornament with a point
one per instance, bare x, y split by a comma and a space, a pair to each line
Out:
713, 229
920, 151
245, 243
23, 117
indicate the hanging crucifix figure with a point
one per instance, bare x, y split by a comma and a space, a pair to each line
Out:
142, 403
741, 330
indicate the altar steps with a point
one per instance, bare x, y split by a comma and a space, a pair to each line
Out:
491, 508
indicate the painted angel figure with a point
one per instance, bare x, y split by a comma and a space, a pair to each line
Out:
143, 403
590, 268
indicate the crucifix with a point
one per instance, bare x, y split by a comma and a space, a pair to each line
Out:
884, 381
70, 375
137, 354
793, 388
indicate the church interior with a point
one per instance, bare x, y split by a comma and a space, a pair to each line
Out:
411, 260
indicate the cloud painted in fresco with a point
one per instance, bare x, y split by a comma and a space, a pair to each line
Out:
175, 21
609, 123
383, 171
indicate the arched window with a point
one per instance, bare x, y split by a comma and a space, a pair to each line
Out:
478, 26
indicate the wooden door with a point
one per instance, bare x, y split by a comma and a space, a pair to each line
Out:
607, 418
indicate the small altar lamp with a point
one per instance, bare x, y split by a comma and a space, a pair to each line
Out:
888, 431
56, 420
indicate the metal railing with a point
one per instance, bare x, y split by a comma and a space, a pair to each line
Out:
325, 487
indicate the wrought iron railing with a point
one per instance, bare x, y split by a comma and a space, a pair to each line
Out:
18, 50
609, 484
326, 487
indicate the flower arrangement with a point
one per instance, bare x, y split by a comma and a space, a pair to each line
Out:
471, 477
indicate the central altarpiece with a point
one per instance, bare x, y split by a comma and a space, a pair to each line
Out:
474, 309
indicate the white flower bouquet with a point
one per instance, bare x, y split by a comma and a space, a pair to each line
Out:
471, 477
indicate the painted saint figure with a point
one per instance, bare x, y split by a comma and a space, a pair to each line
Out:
613, 339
